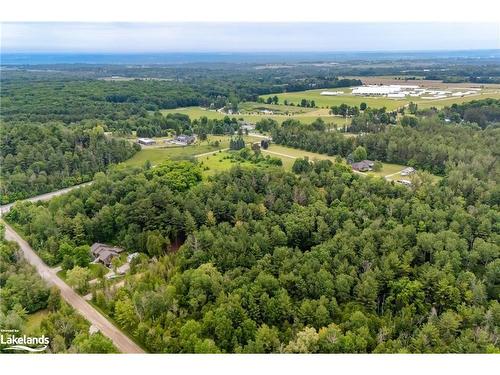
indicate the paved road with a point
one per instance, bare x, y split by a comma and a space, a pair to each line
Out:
44, 197
121, 341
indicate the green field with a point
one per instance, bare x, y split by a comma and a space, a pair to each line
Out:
218, 162
390, 104
329, 101
196, 112
439, 103
158, 154
249, 112
288, 156
388, 169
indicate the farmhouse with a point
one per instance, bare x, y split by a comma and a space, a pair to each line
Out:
185, 139
362, 166
146, 141
104, 253
245, 125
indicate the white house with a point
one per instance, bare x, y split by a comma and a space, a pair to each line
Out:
146, 141
407, 171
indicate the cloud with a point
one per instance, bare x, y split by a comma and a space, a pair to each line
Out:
241, 37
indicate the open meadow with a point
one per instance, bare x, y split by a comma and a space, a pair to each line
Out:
157, 154
378, 102
252, 114
329, 101
214, 159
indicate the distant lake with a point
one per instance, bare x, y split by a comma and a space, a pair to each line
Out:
216, 57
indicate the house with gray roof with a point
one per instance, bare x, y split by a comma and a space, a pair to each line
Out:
363, 166
105, 253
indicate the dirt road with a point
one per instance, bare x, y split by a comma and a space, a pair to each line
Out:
210, 153
121, 341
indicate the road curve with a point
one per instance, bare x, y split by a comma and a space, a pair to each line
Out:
122, 342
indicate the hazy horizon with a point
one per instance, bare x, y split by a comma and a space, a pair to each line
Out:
167, 58
137, 38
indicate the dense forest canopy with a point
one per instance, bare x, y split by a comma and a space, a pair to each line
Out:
71, 99
38, 158
324, 261
480, 112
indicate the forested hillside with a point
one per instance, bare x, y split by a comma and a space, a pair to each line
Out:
38, 158
322, 262
23, 292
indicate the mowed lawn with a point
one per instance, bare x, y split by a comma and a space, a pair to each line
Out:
196, 113
218, 162
388, 169
158, 154
289, 154
250, 113
391, 172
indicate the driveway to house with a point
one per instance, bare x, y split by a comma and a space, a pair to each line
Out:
122, 342
294, 157
391, 175
210, 153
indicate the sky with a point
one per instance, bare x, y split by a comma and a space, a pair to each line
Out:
245, 37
